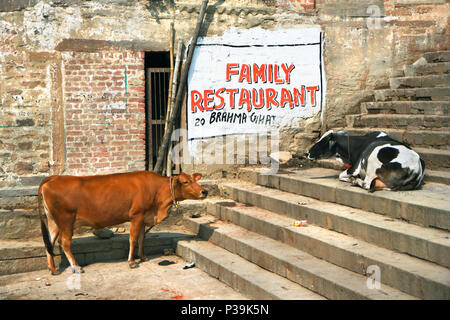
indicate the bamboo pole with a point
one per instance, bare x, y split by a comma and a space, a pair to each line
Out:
180, 91
169, 102
172, 99
170, 84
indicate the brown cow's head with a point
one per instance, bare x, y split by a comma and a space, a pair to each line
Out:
189, 188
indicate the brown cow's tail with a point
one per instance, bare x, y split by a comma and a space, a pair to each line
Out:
44, 229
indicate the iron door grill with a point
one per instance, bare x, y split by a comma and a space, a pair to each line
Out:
157, 91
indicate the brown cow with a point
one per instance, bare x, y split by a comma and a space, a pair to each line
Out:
142, 197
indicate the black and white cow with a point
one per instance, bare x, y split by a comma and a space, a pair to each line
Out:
374, 161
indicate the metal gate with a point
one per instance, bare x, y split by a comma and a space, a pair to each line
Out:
157, 91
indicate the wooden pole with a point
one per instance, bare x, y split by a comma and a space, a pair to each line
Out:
170, 78
172, 99
169, 102
170, 82
180, 91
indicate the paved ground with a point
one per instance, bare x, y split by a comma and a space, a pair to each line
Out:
117, 281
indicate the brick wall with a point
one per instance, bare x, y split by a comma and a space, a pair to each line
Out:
104, 100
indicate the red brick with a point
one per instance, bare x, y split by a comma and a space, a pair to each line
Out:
73, 67
75, 166
101, 165
101, 154
118, 164
135, 67
136, 88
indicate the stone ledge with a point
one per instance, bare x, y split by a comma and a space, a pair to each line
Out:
23, 256
88, 45
19, 218
406, 3
16, 5
19, 192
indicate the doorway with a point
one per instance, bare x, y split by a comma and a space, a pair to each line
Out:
157, 78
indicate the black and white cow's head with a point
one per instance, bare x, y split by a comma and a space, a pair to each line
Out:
324, 148
374, 161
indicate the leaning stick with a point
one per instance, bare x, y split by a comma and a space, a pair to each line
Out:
170, 78
169, 102
180, 91
172, 99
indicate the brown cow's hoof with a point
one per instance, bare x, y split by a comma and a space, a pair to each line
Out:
143, 259
134, 265
56, 272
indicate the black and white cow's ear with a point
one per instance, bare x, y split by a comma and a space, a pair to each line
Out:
331, 137
328, 134
331, 145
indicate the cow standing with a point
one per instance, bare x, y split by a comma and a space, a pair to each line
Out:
374, 161
143, 198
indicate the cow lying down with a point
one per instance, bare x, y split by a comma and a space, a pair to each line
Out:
143, 198
374, 161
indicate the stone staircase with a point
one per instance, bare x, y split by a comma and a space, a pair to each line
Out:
247, 238
414, 110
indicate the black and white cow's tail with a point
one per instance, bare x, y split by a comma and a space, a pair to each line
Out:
415, 179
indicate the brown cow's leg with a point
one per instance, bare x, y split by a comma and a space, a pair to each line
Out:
66, 243
137, 223
141, 244
51, 264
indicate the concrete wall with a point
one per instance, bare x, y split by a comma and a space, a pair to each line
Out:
54, 114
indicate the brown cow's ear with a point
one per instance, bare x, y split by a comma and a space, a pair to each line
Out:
181, 178
197, 176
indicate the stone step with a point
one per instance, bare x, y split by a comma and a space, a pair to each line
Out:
398, 270
435, 159
420, 82
324, 278
406, 107
419, 69
428, 207
23, 256
437, 139
240, 274
19, 224
436, 176
393, 234
414, 94
17, 256
398, 121
438, 56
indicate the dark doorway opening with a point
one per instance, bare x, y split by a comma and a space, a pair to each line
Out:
157, 78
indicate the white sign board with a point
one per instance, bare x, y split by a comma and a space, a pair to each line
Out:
251, 81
